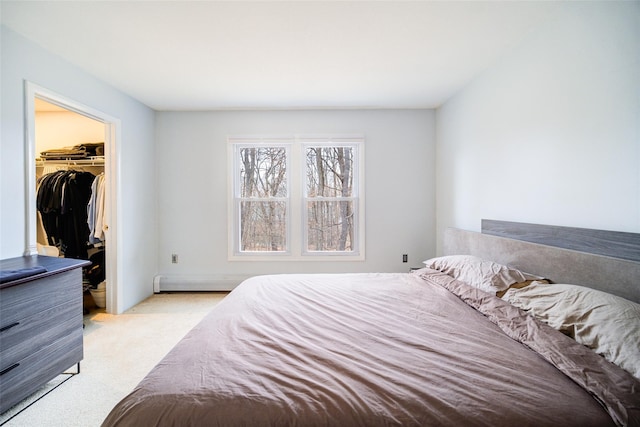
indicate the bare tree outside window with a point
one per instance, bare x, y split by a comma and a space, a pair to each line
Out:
263, 193
329, 191
297, 197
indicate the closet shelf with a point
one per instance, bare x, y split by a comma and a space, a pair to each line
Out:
89, 161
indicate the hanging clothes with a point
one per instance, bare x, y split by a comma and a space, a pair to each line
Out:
95, 210
61, 200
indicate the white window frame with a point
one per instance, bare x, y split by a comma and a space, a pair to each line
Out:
296, 211
356, 146
237, 144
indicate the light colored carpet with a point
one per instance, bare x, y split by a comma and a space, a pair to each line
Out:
118, 352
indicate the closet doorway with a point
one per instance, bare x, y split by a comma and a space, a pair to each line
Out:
54, 126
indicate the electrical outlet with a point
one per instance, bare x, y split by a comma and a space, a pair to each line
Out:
405, 258
174, 258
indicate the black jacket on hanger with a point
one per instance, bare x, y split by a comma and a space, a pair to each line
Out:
62, 202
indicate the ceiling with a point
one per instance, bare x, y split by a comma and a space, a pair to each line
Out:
208, 55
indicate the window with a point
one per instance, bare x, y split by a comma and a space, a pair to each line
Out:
329, 198
264, 198
296, 197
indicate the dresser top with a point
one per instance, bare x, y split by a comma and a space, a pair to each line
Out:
52, 265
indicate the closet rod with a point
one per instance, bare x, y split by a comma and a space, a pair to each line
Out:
89, 161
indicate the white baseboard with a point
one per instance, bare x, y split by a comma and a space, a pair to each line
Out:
196, 283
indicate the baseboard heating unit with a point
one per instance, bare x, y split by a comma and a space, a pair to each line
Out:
196, 283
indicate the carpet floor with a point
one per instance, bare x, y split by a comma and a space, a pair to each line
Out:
119, 350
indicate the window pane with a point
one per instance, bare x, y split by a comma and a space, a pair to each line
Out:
329, 171
263, 226
263, 172
330, 226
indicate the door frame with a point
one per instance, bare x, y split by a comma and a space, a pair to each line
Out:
112, 139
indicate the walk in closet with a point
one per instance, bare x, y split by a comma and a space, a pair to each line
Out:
70, 193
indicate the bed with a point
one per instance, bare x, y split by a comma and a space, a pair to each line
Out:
458, 342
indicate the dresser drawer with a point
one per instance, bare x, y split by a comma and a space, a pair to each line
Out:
19, 380
40, 325
28, 299
38, 330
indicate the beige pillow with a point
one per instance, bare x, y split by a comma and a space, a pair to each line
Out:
486, 275
520, 285
608, 324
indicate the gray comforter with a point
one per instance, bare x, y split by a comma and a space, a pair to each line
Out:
376, 350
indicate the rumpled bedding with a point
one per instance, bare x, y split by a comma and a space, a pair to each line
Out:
375, 350
616, 389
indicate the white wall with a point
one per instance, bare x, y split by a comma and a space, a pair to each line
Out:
193, 179
21, 59
551, 134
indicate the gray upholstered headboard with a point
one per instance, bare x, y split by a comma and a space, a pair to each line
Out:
607, 273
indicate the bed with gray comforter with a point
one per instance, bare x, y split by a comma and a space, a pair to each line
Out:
405, 349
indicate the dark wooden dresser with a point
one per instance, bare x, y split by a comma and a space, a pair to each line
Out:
40, 324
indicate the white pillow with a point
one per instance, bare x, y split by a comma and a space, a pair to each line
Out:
608, 324
486, 275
